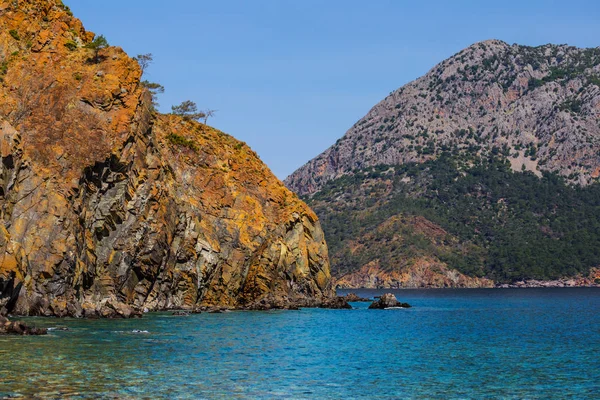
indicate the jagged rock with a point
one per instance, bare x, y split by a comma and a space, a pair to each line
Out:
592, 280
422, 272
336, 303
275, 303
354, 297
488, 95
387, 300
118, 310
181, 313
109, 208
18, 328
296, 303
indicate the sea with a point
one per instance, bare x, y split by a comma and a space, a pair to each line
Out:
530, 343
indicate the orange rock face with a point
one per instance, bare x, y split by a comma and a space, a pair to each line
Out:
109, 208
419, 273
414, 268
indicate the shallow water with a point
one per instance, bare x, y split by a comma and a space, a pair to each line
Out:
488, 343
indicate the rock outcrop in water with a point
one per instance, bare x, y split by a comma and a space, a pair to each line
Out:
388, 300
354, 297
109, 208
18, 328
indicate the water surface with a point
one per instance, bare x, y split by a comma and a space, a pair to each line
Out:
488, 343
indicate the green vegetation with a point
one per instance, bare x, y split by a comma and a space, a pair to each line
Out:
65, 8
594, 80
509, 225
155, 89
179, 140
501, 224
144, 60
96, 45
71, 45
554, 63
535, 83
3, 70
188, 110
572, 105
14, 34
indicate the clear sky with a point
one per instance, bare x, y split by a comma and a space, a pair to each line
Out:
289, 77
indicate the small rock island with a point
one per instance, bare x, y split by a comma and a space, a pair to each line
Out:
388, 300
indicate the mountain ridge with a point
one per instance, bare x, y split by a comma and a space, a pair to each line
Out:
458, 99
497, 146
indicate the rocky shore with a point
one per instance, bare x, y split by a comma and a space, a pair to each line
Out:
354, 297
532, 283
8, 327
591, 280
421, 273
387, 300
109, 208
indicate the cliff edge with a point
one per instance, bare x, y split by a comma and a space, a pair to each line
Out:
109, 208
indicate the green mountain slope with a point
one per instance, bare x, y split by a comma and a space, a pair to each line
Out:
486, 167
491, 222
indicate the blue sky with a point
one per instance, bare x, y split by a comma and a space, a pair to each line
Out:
290, 77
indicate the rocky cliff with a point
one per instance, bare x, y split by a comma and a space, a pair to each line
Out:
538, 105
495, 149
402, 252
109, 208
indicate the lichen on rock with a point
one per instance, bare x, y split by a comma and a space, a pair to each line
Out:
104, 215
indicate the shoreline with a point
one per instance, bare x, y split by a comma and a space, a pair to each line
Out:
333, 303
518, 285
592, 280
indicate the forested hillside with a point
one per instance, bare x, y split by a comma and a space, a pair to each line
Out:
496, 223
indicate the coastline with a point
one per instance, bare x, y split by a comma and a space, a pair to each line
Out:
517, 285
591, 280
561, 283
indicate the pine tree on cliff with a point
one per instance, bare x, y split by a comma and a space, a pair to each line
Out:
188, 110
144, 61
96, 45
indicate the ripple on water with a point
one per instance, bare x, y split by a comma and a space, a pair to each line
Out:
452, 344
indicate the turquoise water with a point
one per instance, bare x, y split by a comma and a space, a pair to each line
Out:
494, 343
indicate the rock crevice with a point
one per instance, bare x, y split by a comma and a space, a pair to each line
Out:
105, 214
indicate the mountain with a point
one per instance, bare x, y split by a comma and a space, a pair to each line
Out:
538, 105
110, 208
495, 150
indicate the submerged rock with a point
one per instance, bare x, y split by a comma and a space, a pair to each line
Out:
58, 328
8, 327
388, 300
